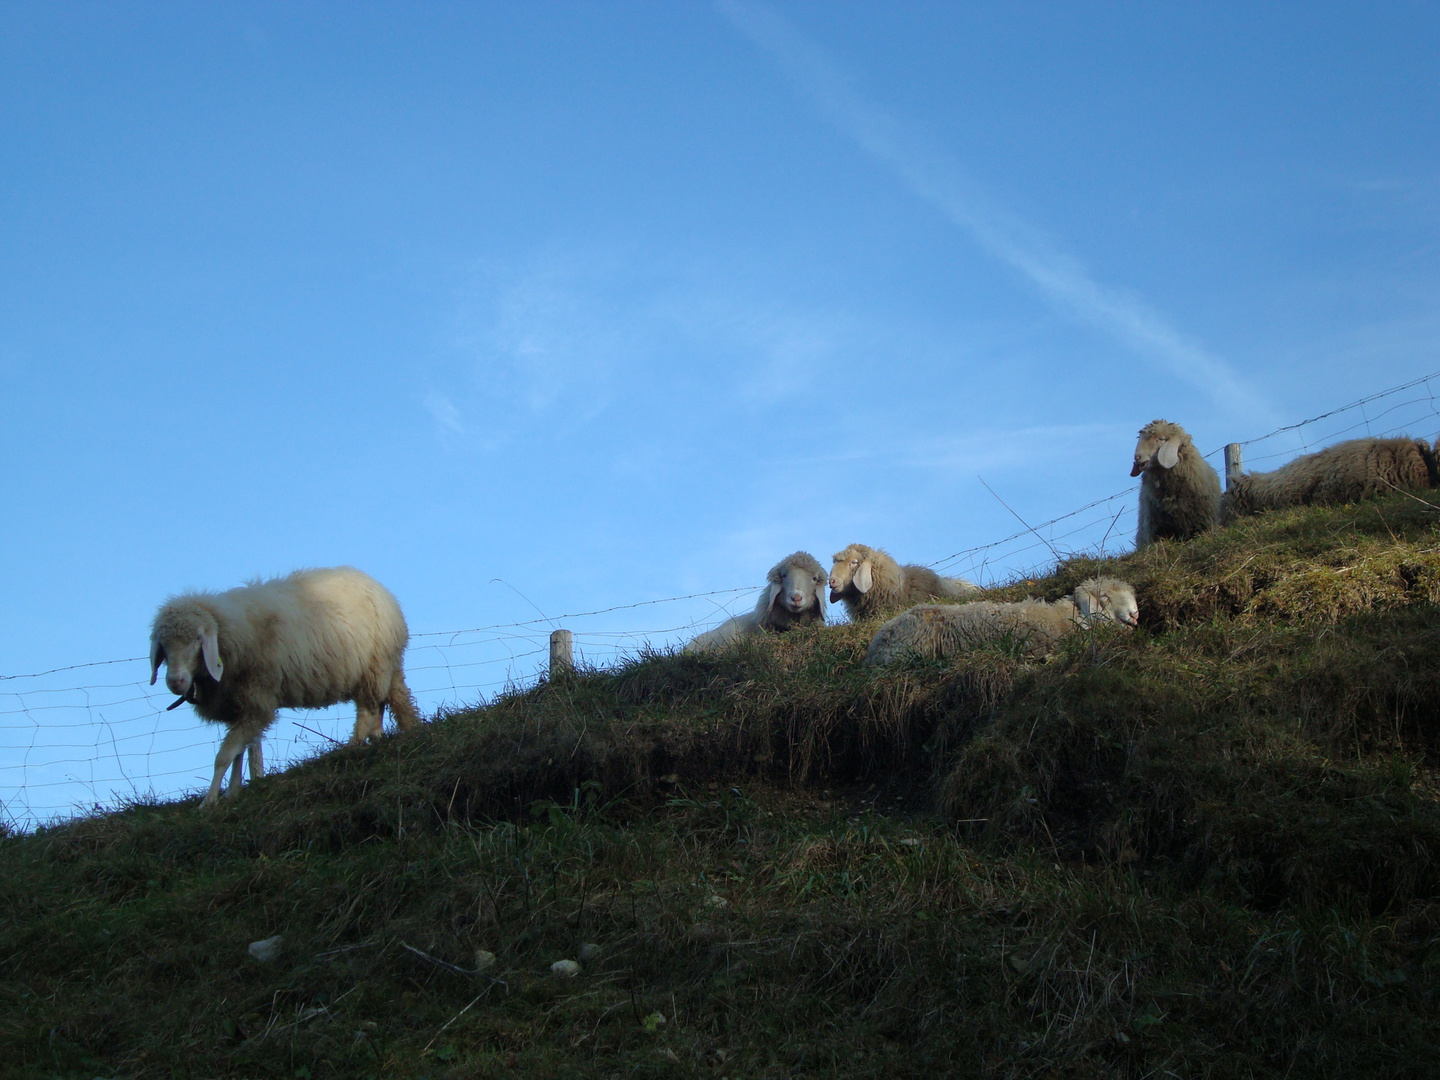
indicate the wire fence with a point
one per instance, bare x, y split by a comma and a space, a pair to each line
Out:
70, 745
92, 736
1107, 526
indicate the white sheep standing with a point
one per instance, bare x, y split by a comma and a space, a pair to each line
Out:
794, 596
312, 639
870, 582
938, 631
1179, 491
1339, 474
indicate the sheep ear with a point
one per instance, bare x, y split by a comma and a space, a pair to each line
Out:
774, 595
1168, 455
157, 657
863, 580
210, 650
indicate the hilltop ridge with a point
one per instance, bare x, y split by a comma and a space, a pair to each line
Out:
1207, 846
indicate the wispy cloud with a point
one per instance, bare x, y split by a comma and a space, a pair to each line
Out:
938, 177
775, 354
561, 339
445, 414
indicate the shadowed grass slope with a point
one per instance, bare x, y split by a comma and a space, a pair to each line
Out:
1206, 847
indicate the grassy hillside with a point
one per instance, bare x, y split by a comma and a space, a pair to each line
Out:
1206, 848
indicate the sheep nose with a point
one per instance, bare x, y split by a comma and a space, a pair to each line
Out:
178, 682
797, 598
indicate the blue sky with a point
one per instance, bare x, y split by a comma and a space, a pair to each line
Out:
550, 308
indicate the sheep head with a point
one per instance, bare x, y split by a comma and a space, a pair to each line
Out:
852, 569
184, 641
1107, 598
796, 583
1159, 446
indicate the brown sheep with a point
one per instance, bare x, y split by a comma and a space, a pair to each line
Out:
1343, 473
1179, 491
870, 582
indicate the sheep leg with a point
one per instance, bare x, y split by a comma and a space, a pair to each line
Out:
368, 724
236, 770
230, 749
257, 760
402, 704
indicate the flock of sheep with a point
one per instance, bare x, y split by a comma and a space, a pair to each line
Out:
1180, 493
320, 637
870, 583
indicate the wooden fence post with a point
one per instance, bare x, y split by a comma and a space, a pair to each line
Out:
562, 660
1233, 466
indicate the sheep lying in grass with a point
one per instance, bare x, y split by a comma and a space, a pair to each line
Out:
794, 596
314, 638
939, 631
1179, 492
1343, 473
870, 582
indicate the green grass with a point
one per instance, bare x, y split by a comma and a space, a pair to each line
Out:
1206, 848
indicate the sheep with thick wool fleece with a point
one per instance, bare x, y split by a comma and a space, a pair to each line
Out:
870, 582
939, 631
1179, 491
308, 640
794, 596
1343, 473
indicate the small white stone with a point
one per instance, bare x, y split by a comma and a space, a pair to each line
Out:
588, 952
717, 901
484, 960
266, 950
910, 841
565, 969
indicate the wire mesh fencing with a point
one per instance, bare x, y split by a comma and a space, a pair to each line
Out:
94, 736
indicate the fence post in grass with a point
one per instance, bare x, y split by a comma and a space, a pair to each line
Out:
1233, 465
562, 660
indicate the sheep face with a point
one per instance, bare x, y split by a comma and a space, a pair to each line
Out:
796, 588
183, 649
1106, 598
1158, 448
851, 569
